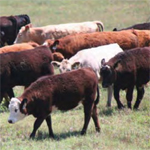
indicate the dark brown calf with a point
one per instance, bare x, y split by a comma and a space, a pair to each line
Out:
24, 67
126, 70
63, 92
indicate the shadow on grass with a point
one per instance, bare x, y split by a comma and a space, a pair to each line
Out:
3, 108
108, 111
57, 137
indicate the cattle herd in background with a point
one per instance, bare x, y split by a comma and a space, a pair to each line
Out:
85, 55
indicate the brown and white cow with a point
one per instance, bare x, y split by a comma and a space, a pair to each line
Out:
63, 92
40, 34
24, 67
140, 26
126, 70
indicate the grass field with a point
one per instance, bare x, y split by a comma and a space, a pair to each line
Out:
120, 130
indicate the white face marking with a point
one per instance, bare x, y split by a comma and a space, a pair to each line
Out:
45, 43
65, 66
54, 108
14, 108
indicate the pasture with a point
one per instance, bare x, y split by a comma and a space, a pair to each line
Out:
120, 129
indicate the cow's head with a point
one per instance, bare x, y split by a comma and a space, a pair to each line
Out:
23, 35
66, 65
17, 110
108, 73
54, 46
48, 42
58, 56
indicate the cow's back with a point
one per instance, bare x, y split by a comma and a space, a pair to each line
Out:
71, 44
73, 85
143, 37
135, 63
16, 47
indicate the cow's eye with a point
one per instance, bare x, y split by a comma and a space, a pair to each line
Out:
16, 110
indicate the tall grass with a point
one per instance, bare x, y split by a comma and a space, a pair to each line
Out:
120, 130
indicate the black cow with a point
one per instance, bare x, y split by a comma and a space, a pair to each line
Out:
10, 26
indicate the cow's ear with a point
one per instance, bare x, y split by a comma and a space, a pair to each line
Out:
27, 27
103, 62
116, 64
56, 64
76, 65
54, 45
23, 106
30, 25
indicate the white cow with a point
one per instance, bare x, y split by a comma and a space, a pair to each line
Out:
40, 34
90, 58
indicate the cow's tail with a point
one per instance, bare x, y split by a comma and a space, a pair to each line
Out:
100, 26
98, 96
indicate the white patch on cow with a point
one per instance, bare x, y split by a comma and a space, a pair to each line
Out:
14, 108
45, 43
119, 67
65, 66
54, 108
107, 66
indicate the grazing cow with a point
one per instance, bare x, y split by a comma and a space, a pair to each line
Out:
90, 58
24, 67
10, 26
126, 70
71, 44
18, 47
63, 92
40, 34
141, 26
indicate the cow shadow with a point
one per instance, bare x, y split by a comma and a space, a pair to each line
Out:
57, 137
108, 111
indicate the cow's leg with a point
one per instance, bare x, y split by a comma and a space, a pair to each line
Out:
49, 124
109, 96
1, 96
129, 96
37, 124
95, 118
140, 94
8, 96
10, 93
88, 104
117, 97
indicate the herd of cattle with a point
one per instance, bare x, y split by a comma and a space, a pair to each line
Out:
85, 55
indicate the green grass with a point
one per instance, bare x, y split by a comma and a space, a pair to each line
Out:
113, 13
120, 130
